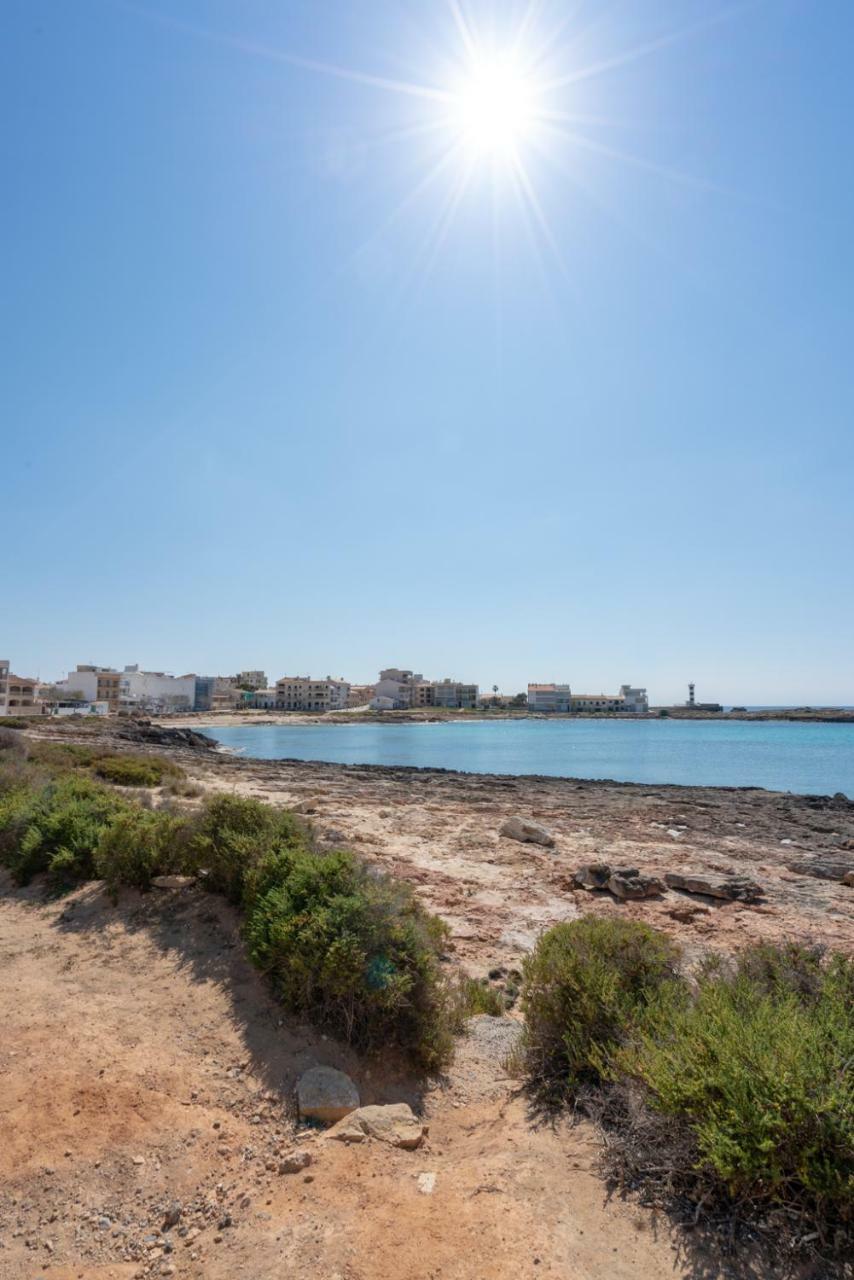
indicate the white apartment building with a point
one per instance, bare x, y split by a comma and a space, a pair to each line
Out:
635, 700
549, 697
301, 693
94, 684
155, 691
559, 697
4, 686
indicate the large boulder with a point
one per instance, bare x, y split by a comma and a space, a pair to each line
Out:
326, 1095
395, 1124
527, 831
732, 888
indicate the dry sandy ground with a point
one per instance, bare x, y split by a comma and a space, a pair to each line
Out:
143, 1062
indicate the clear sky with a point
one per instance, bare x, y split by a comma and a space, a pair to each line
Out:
546, 373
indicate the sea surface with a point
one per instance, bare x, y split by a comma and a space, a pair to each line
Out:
812, 758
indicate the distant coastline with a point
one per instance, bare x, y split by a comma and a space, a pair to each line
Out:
201, 719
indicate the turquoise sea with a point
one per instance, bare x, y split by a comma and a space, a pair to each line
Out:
811, 758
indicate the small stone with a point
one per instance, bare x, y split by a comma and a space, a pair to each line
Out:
295, 1161
326, 1095
138, 1160
173, 1215
395, 1124
104, 1223
526, 831
426, 1183
173, 882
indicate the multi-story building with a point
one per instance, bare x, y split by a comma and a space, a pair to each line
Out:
627, 700
95, 684
444, 693
399, 689
549, 697
22, 696
251, 680
156, 691
4, 686
397, 686
263, 699
635, 700
559, 697
301, 693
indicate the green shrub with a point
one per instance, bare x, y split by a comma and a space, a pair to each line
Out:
471, 996
585, 985
234, 836
136, 771
62, 756
137, 846
759, 1069
55, 828
15, 722
353, 951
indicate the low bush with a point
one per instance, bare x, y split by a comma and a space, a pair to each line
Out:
585, 986
353, 951
137, 846
15, 722
756, 1069
136, 771
55, 828
62, 756
234, 837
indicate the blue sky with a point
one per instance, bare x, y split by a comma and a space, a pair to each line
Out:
276, 392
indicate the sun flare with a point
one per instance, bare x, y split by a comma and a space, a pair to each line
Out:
493, 108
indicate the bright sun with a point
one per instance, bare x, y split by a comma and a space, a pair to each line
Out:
493, 108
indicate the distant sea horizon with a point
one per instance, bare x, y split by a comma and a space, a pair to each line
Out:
803, 757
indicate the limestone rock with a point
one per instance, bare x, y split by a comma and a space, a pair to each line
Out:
526, 831
627, 882
326, 1095
733, 888
595, 875
394, 1124
848, 879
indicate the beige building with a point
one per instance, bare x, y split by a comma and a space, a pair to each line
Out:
399, 689
20, 696
95, 684
301, 693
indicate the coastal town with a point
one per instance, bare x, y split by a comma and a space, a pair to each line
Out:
95, 690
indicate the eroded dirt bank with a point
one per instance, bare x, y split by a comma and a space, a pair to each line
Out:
143, 1064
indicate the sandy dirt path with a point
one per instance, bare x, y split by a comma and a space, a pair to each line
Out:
143, 1063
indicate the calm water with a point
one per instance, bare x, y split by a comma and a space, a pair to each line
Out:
805, 758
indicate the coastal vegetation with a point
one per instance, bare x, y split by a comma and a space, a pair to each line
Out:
729, 1098
350, 949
